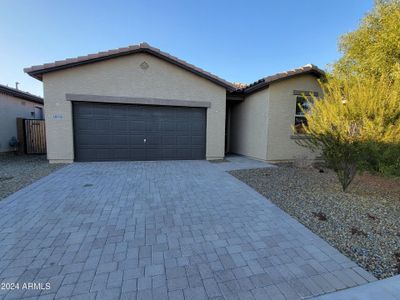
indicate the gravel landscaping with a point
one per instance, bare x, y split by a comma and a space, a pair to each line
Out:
363, 223
18, 171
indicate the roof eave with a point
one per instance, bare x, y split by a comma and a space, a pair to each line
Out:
22, 95
265, 84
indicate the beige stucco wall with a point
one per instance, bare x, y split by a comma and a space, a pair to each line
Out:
10, 109
123, 77
248, 133
282, 108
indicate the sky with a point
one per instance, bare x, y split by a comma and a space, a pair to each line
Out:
240, 41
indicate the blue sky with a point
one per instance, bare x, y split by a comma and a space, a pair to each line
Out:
239, 41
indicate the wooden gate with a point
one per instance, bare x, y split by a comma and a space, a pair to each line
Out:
34, 136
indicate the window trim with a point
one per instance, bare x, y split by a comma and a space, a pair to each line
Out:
296, 115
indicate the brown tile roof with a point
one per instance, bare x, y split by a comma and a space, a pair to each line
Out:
39, 70
20, 94
266, 81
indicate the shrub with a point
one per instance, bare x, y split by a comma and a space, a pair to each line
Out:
356, 125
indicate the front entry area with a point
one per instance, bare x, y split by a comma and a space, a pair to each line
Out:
117, 132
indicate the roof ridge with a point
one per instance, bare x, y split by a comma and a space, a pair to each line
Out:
18, 90
308, 68
37, 70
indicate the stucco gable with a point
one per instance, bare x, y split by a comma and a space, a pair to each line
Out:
38, 70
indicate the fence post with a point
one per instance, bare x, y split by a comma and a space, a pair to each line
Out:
21, 135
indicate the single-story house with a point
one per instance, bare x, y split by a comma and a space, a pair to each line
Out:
14, 104
140, 103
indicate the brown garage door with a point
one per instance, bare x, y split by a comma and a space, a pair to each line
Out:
107, 132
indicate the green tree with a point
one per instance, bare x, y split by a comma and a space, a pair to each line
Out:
357, 120
357, 125
374, 48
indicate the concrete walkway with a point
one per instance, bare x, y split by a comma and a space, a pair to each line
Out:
387, 289
160, 230
236, 162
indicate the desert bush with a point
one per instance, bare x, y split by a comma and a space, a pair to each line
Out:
356, 125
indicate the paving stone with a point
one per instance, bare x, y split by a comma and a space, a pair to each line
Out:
134, 273
129, 285
176, 295
115, 279
99, 282
171, 229
108, 294
72, 268
197, 293
82, 288
175, 272
71, 278
195, 281
144, 283
159, 281
48, 272
225, 275
65, 291
160, 293
153, 270
177, 283
106, 267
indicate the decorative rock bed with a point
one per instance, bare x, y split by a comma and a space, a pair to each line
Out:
18, 171
363, 223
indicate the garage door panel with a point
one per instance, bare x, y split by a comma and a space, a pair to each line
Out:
169, 154
154, 153
120, 140
183, 126
119, 125
89, 139
118, 132
86, 155
198, 126
153, 126
169, 140
184, 140
118, 111
153, 140
168, 125
101, 110
197, 153
136, 113
136, 125
84, 124
122, 154
197, 140
185, 153
137, 154
136, 139
85, 110
102, 124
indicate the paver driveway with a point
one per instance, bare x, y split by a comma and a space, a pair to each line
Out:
182, 230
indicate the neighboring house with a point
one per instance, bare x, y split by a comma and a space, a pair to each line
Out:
139, 103
16, 104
